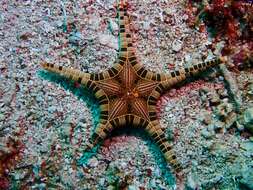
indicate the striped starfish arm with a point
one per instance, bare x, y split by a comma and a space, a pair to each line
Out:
157, 134
146, 74
109, 86
126, 49
102, 132
145, 87
181, 74
140, 70
107, 74
79, 77
139, 106
86, 80
72, 74
128, 120
152, 128
117, 107
127, 77
178, 76
125, 39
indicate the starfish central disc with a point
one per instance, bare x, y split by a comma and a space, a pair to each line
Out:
132, 94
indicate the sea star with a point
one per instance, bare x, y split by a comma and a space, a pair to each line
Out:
128, 93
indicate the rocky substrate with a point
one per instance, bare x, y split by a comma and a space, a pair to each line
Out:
44, 128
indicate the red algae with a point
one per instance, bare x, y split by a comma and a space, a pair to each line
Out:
226, 20
8, 160
244, 58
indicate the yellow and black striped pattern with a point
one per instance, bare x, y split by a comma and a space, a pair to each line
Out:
128, 93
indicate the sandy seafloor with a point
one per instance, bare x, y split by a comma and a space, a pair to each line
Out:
44, 127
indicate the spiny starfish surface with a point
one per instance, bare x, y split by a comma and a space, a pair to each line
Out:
128, 93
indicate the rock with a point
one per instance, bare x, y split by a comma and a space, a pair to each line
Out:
169, 11
46, 27
207, 118
67, 131
108, 40
75, 38
214, 100
25, 35
239, 126
4, 150
123, 165
52, 109
250, 89
208, 145
218, 126
39, 98
233, 86
157, 172
2, 117
228, 108
219, 47
246, 183
177, 45
111, 187
204, 90
39, 186
102, 181
146, 25
153, 183
133, 187
207, 134
230, 120
226, 114
248, 119
223, 93
220, 150
192, 183
212, 182
93, 162
248, 146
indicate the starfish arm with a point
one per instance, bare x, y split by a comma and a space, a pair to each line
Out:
125, 39
175, 76
178, 76
146, 74
110, 86
158, 135
102, 132
126, 49
107, 74
117, 107
72, 74
145, 87
139, 105
127, 76
78, 76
